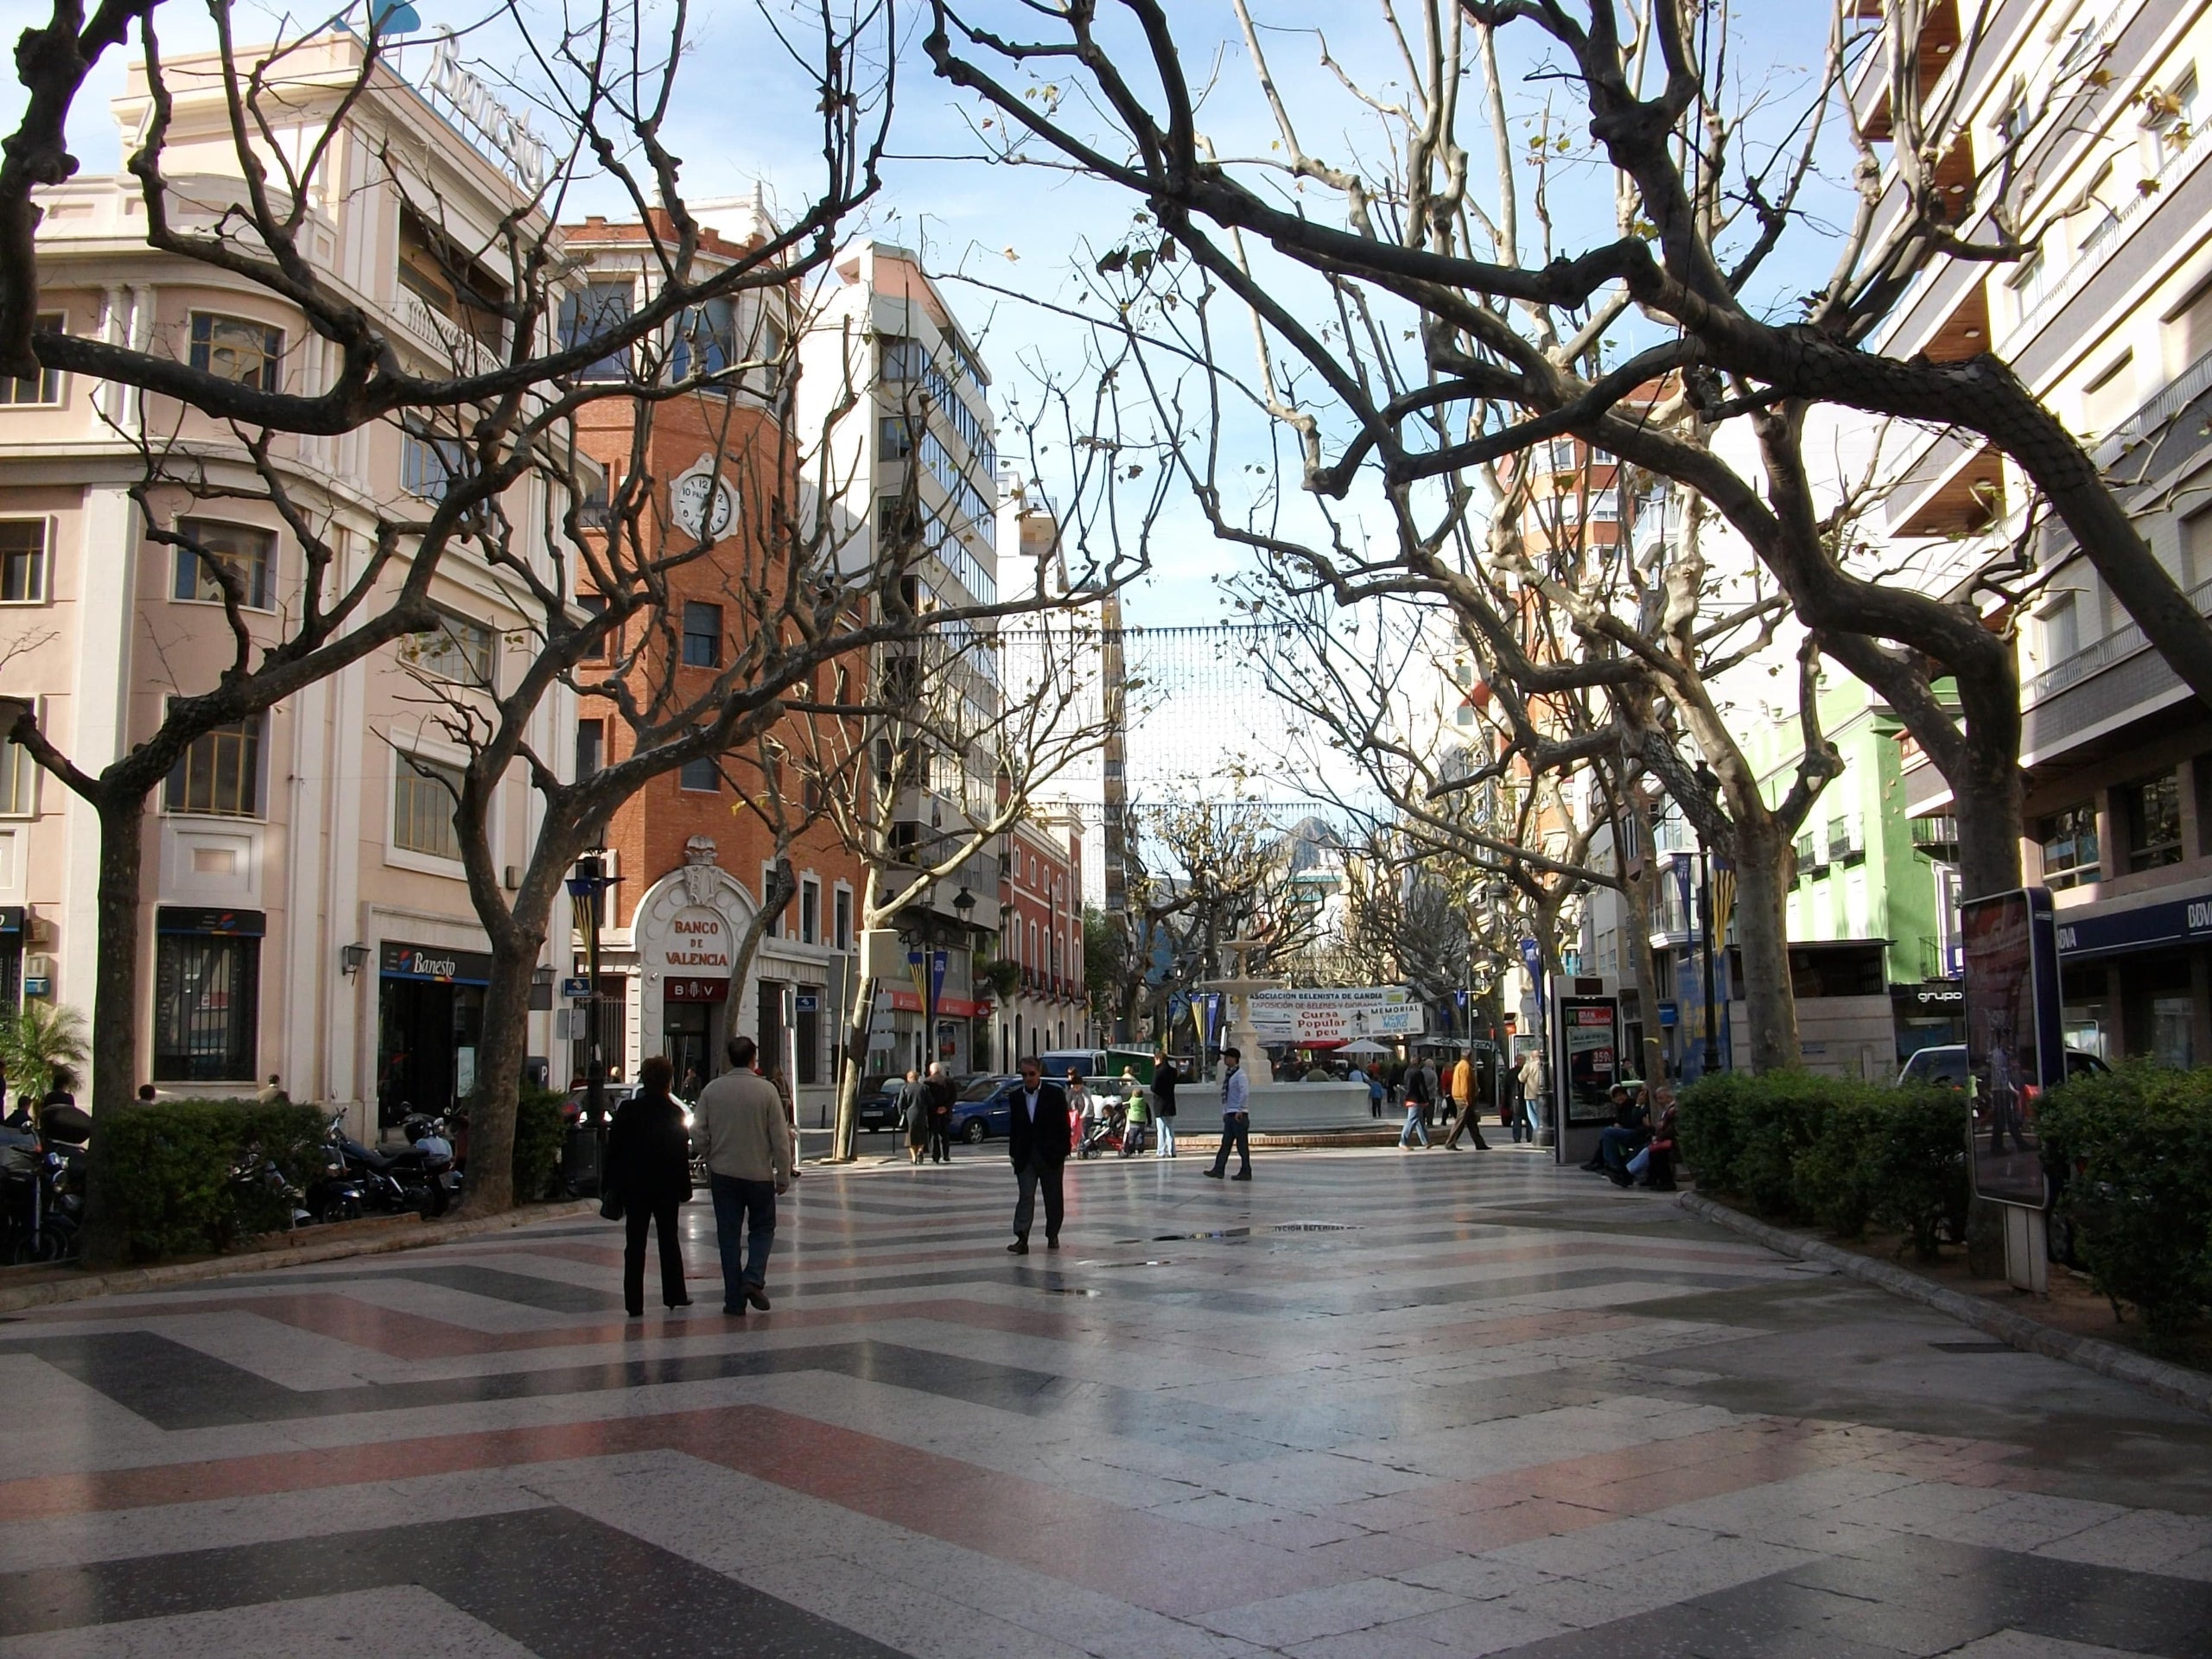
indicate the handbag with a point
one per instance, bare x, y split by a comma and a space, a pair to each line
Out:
610, 1207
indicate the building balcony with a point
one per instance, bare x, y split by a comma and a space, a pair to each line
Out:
2099, 690
1955, 486
1937, 835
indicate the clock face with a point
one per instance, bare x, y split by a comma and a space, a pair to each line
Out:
703, 505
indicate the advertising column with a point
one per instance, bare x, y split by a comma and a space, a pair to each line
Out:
1586, 1067
2014, 1051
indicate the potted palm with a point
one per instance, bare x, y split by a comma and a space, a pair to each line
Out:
36, 1041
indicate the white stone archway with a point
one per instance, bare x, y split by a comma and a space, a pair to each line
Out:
686, 929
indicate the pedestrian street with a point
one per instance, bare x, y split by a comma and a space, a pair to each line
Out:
1369, 1403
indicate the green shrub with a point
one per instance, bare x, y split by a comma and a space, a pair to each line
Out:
1843, 1153
538, 1132
1709, 1128
2135, 1148
167, 1171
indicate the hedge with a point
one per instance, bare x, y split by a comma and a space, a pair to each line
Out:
2134, 1152
168, 1172
1844, 1154
539, 1129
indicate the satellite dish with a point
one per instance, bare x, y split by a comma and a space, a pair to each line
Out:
389, 17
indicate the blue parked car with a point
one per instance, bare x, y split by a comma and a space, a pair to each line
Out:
983, 1109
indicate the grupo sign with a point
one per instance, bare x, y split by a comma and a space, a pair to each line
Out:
1322, 1018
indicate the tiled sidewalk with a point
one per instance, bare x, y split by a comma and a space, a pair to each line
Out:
1371, 1404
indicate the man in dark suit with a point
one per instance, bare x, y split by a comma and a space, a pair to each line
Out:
1039, 1143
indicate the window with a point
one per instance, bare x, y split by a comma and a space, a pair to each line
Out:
423, 796
2110, 398
702, 634
904, 358
894, 438
809, 913
705, 343
23, 560
451, 649
2170, 122
594, 310
591, 747
236, 349
1606, 505
220, 774
429, 465
2197, 549
2152, 806
206, 1007
45, 386
18, 780
840, 913
594, 606
2062, 629
897, 520
774, 927
701, 774
247, 554
2070, 847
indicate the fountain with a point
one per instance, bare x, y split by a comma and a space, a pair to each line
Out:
1242, 1035
1281, 1106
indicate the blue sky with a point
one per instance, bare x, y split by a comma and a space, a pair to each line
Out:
745, 112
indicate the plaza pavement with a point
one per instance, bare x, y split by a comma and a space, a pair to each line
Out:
1370, 1404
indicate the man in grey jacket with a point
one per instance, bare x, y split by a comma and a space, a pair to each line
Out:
749, 1159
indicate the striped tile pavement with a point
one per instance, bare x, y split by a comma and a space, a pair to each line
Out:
1370, 1404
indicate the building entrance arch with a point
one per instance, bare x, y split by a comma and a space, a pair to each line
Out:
685, 934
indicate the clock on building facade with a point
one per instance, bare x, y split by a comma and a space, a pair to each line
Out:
702, 502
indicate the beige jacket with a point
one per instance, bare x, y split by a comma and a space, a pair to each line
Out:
747, 1134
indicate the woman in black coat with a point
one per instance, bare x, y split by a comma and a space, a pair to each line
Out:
649, 1170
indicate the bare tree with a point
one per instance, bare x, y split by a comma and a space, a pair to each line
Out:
486, 383
1444, 320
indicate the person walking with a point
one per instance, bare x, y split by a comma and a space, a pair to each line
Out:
748, 1165
1532, 1092
1419, 1089
914, 1116
649, 1171
1165, 1078
1235, 1117
1037, 1140
941, 1097
1462, 1096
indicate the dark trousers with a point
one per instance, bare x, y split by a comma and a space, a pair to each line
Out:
749, 1206
1237, 1131
940, 1145
661, 1218
1466, 1125
1032, 1175
1617, 1145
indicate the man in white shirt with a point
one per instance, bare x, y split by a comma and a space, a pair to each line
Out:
1235, 1117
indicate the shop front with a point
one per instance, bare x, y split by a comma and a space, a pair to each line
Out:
1932, 1014
683, 937
2135, 978
430, 1023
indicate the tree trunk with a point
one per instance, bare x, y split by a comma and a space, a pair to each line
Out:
491, 1186
115, 1008
858, 1019
1644, 970
1761, 890
783, 888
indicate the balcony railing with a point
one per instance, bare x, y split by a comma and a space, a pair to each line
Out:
1941, 958
2184, 390
2120, 643
1937, 835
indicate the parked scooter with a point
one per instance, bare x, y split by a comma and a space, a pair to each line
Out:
42, 1184
427, 1167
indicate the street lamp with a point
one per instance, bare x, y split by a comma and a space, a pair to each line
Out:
1709, 786
585, 887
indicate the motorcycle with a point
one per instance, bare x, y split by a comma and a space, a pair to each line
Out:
429, 1160
373, 1174
42, 1185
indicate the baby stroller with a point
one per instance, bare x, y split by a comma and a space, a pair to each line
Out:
1103, 1135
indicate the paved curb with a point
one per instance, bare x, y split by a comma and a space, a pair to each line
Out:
126, 1281
2174, 1383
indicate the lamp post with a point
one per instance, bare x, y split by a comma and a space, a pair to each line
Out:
1708, 783
963, 905
585, 888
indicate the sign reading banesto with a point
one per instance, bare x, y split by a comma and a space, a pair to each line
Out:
2014, 1050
